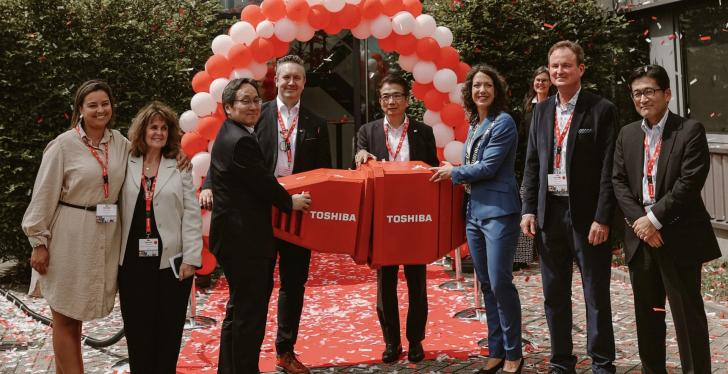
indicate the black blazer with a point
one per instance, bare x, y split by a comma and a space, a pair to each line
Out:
589, 153
244, 190
312, 141
370, 137
682, 169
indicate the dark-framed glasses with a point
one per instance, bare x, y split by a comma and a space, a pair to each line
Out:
248, 101
396, 97
647, 92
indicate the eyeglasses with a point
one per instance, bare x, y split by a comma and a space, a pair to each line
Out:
647, 92
247, 102
396, 97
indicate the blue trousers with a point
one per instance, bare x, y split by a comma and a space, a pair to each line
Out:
492, 245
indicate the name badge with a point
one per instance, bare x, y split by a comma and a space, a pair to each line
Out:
148, 247
557, 183
106, 213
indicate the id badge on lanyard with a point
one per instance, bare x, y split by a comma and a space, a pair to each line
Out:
149, 246
557, 183
106, 213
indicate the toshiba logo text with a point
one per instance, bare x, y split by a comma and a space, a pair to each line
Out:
409, 218
333, 216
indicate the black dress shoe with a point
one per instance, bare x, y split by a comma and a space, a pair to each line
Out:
492, 370
520, 367
416, 352
391, 353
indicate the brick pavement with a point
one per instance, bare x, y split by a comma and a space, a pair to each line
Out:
26, 347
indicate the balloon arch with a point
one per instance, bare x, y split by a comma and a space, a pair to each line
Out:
264, 32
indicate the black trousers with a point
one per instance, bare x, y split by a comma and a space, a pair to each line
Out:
293, 272
560, 247
153, 307
655, 276
388, 308
250, 283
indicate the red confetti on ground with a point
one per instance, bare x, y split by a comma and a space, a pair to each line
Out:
706, 38
339, 325
654, 18
548, 25
646, 32
672, 37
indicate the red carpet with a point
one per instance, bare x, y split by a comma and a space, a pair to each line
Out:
339, 325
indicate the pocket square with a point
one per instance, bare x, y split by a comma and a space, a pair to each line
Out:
585, 131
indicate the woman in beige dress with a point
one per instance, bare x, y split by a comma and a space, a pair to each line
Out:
72, 221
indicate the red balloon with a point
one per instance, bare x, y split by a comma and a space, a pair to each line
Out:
333, 27
452, 114
419, 90
388, 44
371, 9
428, 49
319, 17
220, 113
240, 55
413, 6
297, 10
462, 71
208, 127
208, 263
449, 58
252, 15
350, 16
441, 153
434, 100
391, 7
273, 10
406, 44
280, 48
218, 66
461, 132
262, 49
193, 143
201, 82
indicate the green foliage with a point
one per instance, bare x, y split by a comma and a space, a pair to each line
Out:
144, 49
514, 36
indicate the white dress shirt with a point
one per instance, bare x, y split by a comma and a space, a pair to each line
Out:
393, 137
283, 168
654, 135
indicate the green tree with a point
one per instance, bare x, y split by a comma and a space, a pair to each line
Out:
144, 49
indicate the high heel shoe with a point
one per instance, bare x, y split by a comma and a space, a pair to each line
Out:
520, 367
492, 370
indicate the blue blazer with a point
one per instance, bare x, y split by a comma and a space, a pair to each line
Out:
492, 178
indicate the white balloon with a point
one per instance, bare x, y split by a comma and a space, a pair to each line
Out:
456, 95
259, 70
206, 218
222, 44
188, 121
443, 36
403, 23
381, 27
445, 80
304, 31
453, 152
265, 29
314, 2
431, 118
407, 63
424, 72
200, 163
203, 104
443, 134
241, 73
334, 5
210, 144
353, 2
363, 30
242, 32
285, 30
216, 88
425, 26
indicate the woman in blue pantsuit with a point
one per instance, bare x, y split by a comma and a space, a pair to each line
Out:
493, 211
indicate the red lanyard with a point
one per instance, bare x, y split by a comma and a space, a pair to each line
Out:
104, 165
559, 136
148, 196
651, 159
393, 156
286, 134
